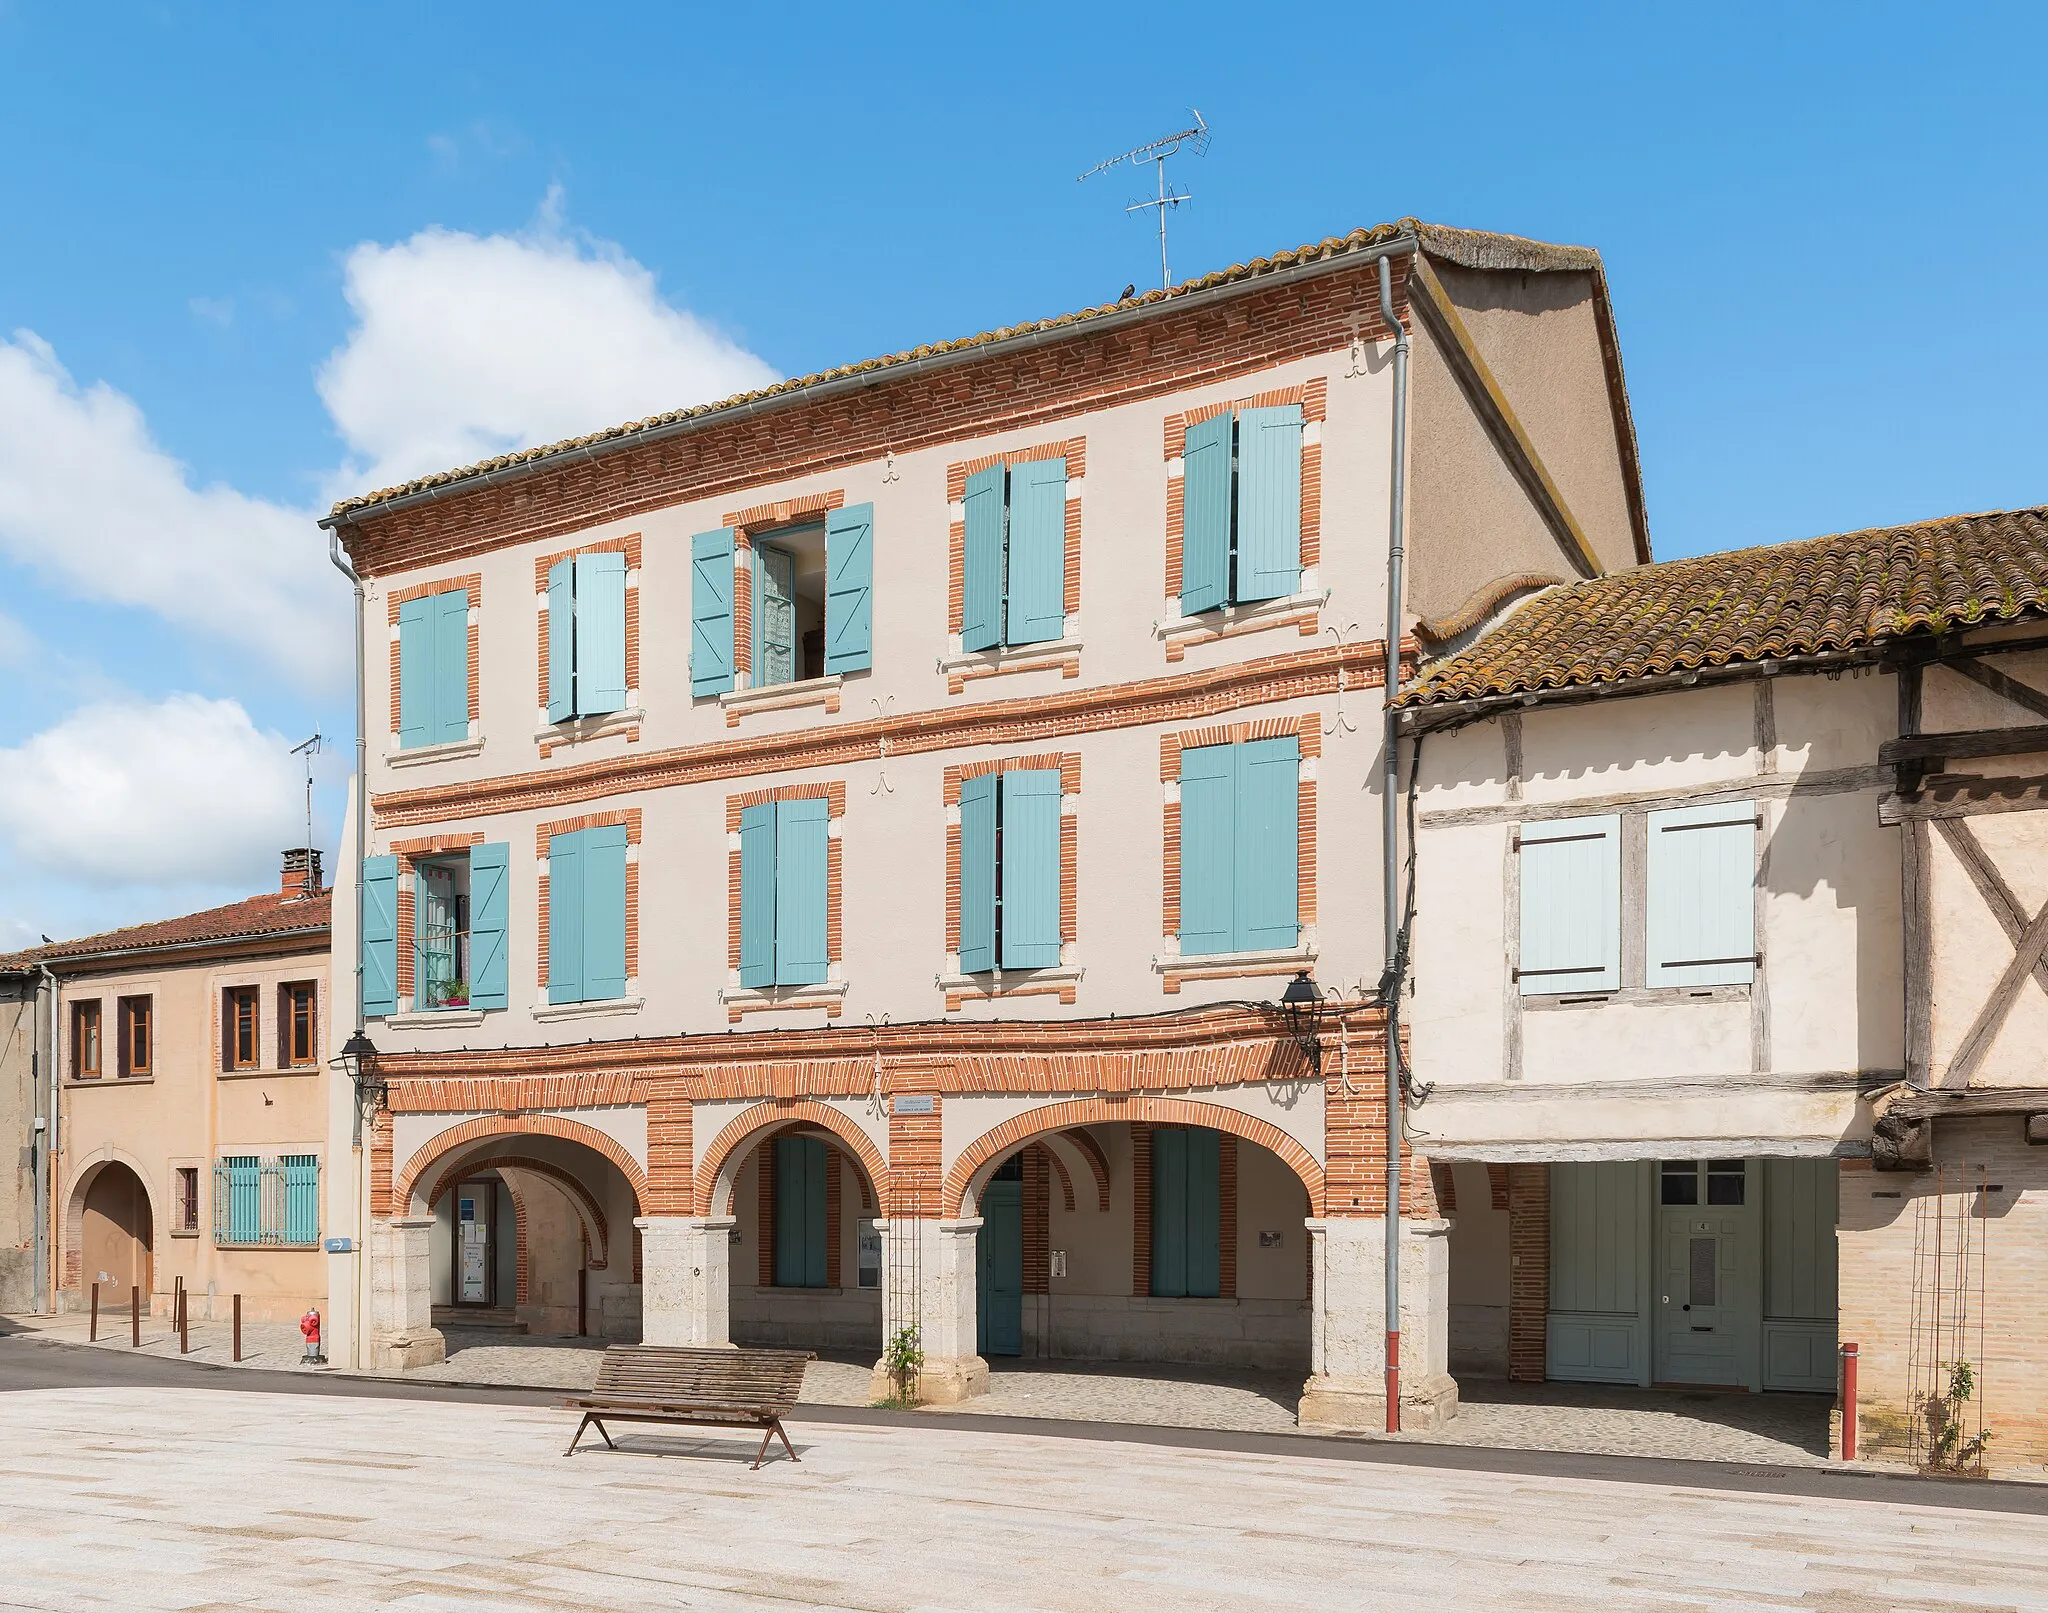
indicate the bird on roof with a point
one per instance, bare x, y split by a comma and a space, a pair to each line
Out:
1128, 292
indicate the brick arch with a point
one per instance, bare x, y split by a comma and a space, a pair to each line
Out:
484, 1127
579, 1195
720, 1162
1089, 1149
1059, 1169
83, 1176
991, 1146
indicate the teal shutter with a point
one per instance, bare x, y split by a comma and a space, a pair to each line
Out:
1205, 491
1205, 1212
800, 836
604, 913
800, 1223
600, 634
245, 1199
561, 641
1571, 905
1031, 868
981, 623
1038, 552
380, 935
1268, 502
978, 874
1266, 848
757, 895
1169, 1212
451, 667
301, 1198
1702, 896
490, 873
416, 713
565, 918
1208, 837
711, 623
850, 588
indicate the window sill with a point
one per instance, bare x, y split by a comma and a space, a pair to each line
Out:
110, 1081
435, 1018
546, 1013
184, 1232
1060, 980
267, 1075
822, 691
825, 994
1552, 1001
1302, 610
1173, 968
262, 1247
1062, 655
575, 730
421, 755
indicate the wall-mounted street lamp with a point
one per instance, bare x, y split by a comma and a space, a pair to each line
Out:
1301, 1005
359, 1063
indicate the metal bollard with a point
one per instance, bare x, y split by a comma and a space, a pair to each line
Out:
1849, 1354
134, 1316
238, 1327
93, 1337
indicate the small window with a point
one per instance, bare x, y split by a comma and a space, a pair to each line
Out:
298, 1023
1240, 847
784, 892
442, 920
1010, 870
188, 1198
85, 1041
1241, 508
138, 1044
1681, 1182
433, 669
1014, 564
1725, 1181
789, 605
586, 635
238, 1028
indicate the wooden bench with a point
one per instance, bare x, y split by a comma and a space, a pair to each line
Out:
647, 1383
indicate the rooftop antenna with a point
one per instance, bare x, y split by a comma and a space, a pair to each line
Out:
310, 749
1156, 153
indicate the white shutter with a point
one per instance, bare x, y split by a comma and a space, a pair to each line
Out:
1571, 906
1702, 896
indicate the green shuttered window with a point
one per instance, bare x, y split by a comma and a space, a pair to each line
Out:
850, 588
1010, 870
783, 893
587, 915
433, 670
1241, 508
1240, 847
1187, 1213
1701, 907
801, 1228
1014, 579
1571, 906
380, 935
586, 636
273, 1203
711, 617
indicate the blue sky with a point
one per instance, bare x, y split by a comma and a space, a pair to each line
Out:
256, 256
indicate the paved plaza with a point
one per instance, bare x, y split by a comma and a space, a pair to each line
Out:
179, 1499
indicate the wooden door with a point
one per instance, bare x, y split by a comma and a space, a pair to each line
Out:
116, 1236
1707, 1310
999, 1269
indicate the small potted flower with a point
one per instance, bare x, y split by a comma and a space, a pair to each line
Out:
453, 993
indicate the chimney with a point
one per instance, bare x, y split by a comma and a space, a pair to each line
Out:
302, 872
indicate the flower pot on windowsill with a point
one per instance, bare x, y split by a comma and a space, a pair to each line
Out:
453, 994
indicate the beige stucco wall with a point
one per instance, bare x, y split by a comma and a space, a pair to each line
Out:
21, 1030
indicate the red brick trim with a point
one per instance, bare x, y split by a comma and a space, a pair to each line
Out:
834, 795
1445, 1184
585, 1200
519, 1266
629, 546
1058, 1167
472, 584
1226, 1216
1497, 1185
1068, 765
1075, 451
630, 819
1528, 1273
1355, 1125
744, 1131
835, 1166
767, 1185
1098, 1163
440, 1146
1141, 1210
1037, 1217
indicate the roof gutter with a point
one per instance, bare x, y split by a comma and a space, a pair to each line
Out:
177, 949
1400, 245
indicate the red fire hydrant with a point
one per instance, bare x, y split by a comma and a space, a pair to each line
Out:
309, 1325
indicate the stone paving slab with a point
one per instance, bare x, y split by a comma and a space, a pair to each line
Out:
166, 1499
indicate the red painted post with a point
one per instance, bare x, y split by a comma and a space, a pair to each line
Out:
134, 1316
1849, 1353
93, 1337
238, 1327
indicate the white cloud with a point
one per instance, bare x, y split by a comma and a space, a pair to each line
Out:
214, 310
467, 346
182, 791
17, 643
90, 500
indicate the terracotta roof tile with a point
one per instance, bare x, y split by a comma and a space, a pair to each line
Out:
272, 913
1834, 593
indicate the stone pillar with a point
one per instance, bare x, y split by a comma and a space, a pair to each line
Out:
928, 1282
402, 1332
1348, 1388
686, 1280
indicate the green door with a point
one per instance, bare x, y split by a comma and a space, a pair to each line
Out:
999, 1269
1707, 1311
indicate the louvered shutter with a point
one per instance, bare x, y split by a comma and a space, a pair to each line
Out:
850, 588
562, 640
1169, 1212
1265, 849
1208, 819
711, 621
1031, 868
451, 667
416, 712
1702, 896
301, 1174
981, 623
757, 895
380, 935
565, 917
1038, 552
800, 874
245, 1199
1268, 502
978, 874
600, 634
490, 873
1204, 1215
1205, 515
1571, 905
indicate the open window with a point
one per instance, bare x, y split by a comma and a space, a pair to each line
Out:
789, 605
441, 920
457, 936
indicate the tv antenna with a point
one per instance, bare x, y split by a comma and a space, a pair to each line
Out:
310, 749
1156, 153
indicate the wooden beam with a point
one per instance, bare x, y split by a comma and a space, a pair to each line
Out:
2002, 684
1968, 742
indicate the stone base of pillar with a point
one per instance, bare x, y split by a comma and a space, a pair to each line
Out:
939, 1383
1359, 1405
403, 1352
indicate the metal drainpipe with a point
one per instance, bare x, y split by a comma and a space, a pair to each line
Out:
46, 1157
360, 1258
1390, 840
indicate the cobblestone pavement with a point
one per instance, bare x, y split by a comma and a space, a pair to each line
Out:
163, 1499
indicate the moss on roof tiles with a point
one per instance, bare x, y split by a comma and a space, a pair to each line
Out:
1842, 592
